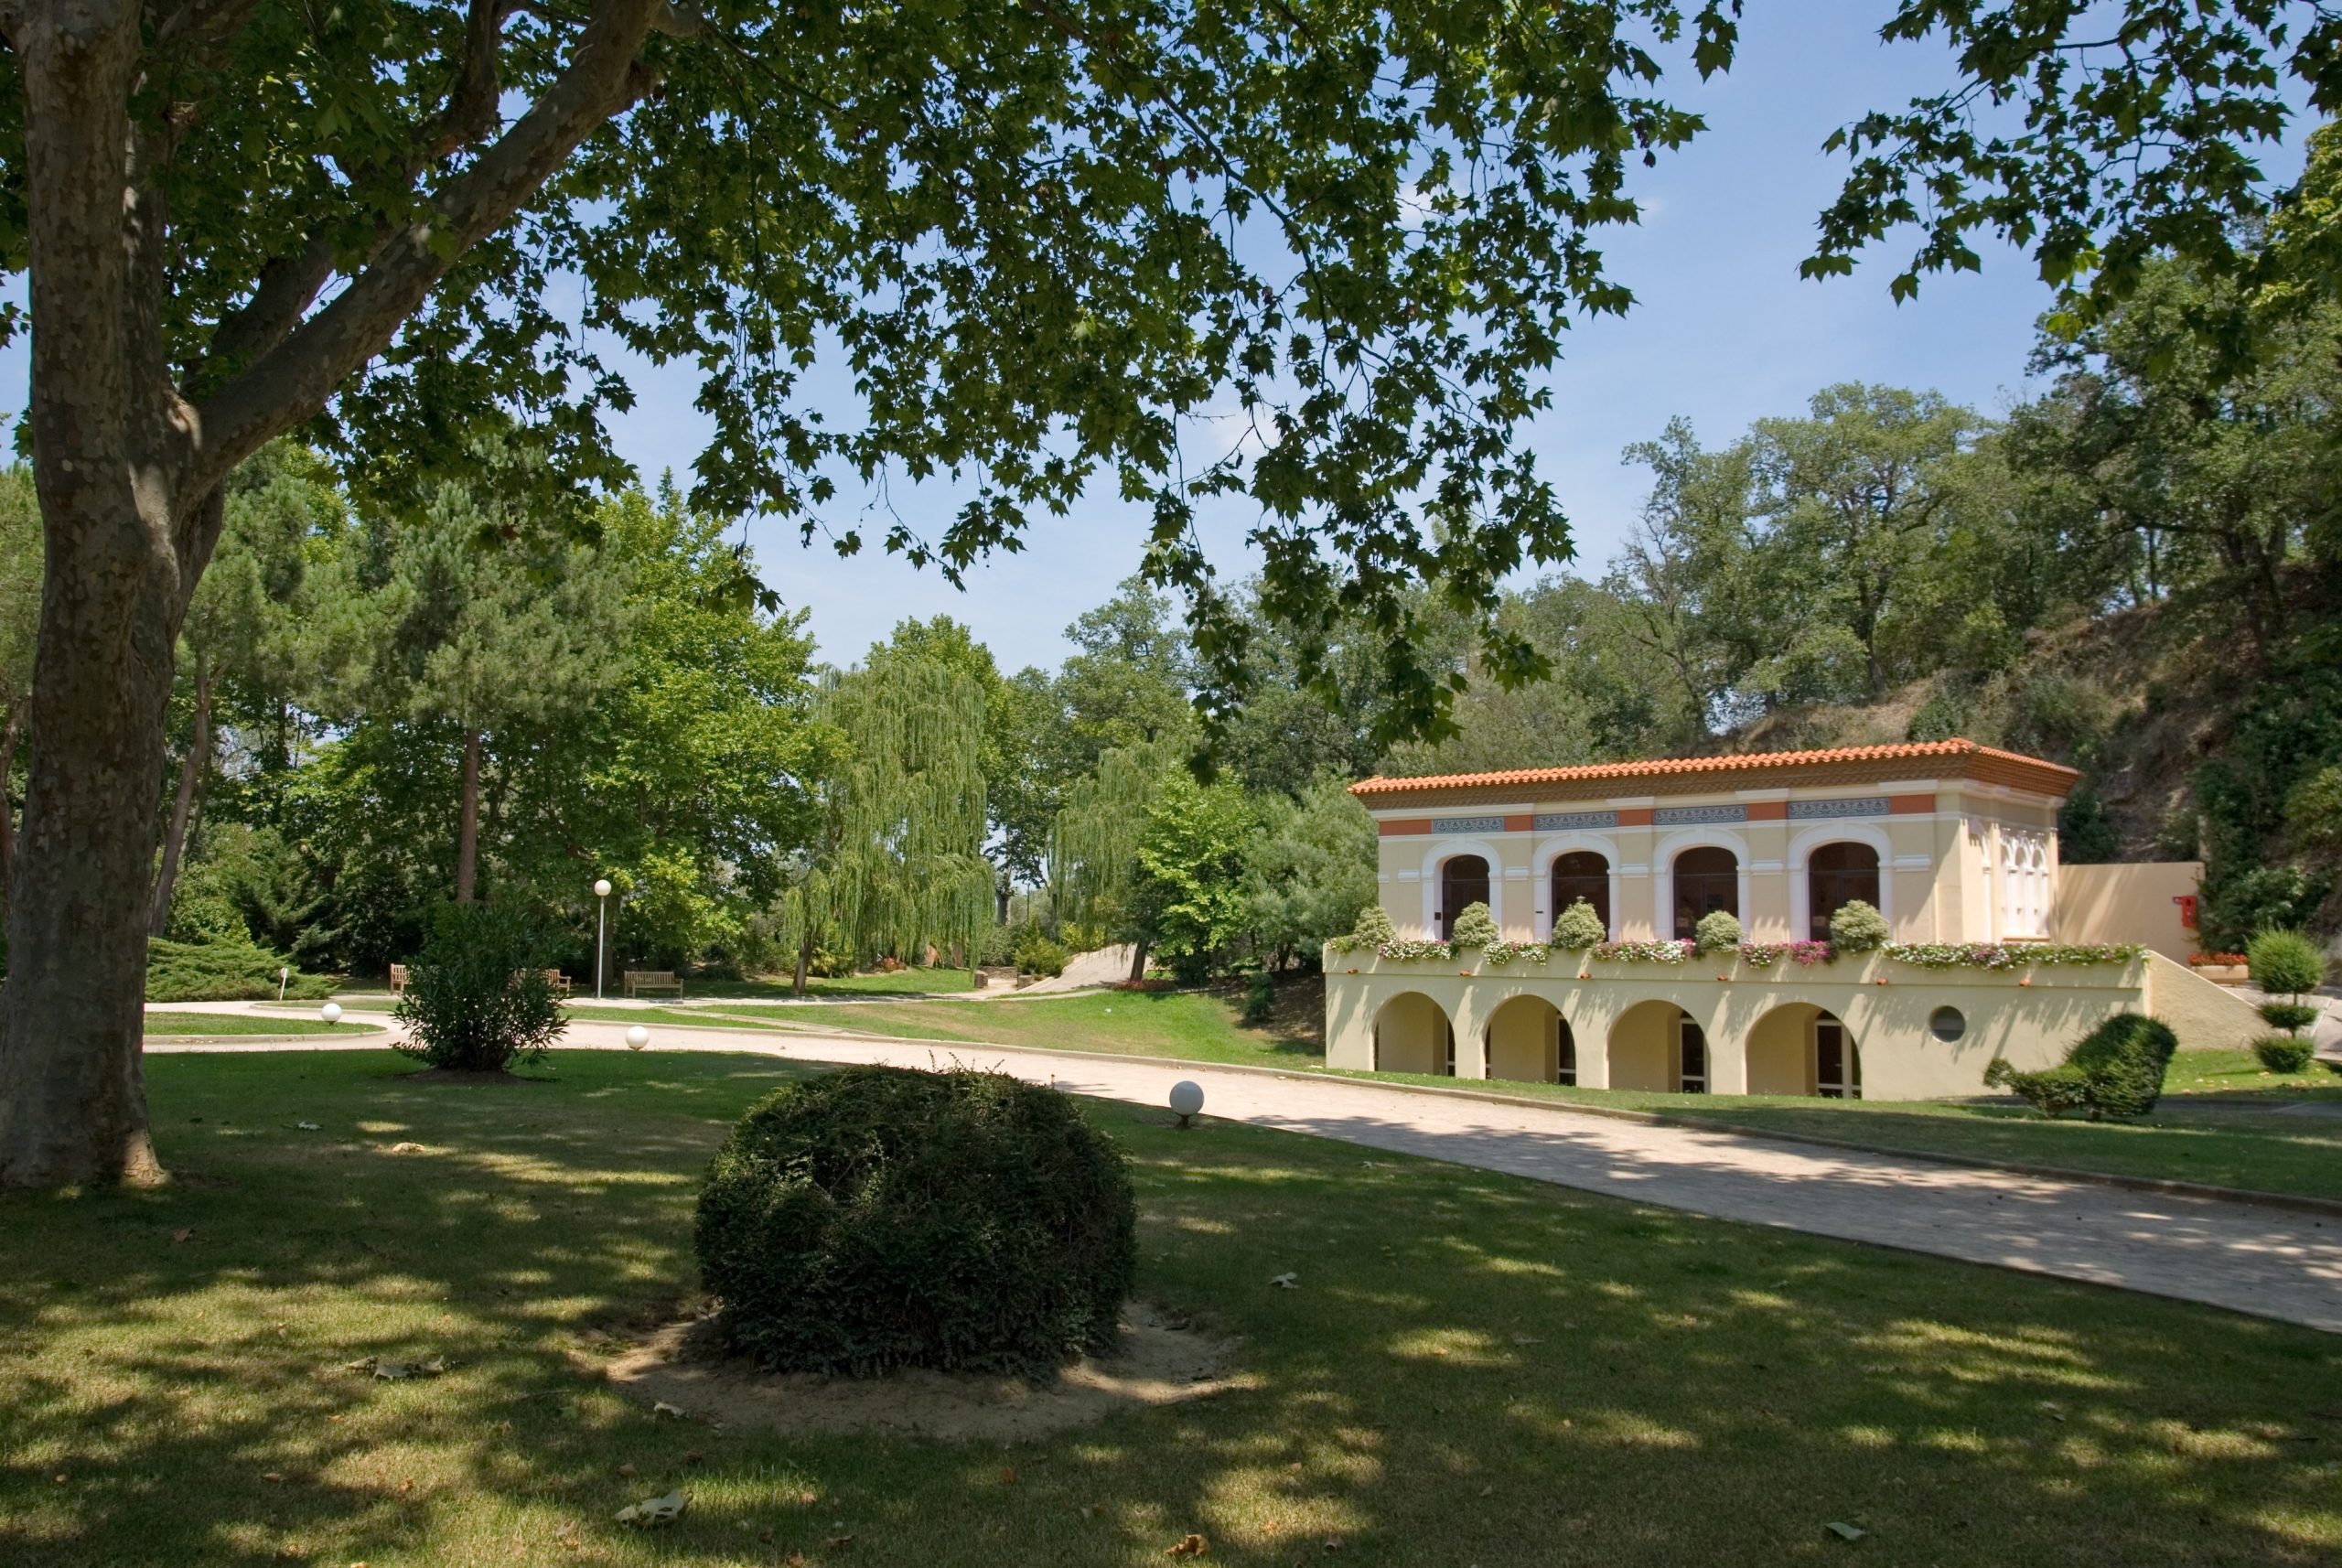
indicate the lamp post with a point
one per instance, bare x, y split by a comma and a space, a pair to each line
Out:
601, 931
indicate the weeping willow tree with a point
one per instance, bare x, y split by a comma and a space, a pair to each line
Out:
1094, 843
899, 861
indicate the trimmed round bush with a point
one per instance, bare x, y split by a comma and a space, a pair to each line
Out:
1579, 928
1373, 927
2284, 1053
876, 1217
1718, 930
1476, 926
2285, 962
2291, 1017
2116, 1070
1857, 927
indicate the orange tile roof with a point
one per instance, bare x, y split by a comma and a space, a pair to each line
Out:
1955, 757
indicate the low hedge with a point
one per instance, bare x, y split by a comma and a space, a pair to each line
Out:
874, 1218
2284, 1053
223, 971
2116, 1070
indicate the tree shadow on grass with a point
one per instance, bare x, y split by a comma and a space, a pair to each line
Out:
1469, 1369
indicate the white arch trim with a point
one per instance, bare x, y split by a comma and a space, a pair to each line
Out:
1662, 862
1446, 850
1801, 850
1541, 889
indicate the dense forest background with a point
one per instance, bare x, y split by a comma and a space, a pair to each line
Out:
389, 702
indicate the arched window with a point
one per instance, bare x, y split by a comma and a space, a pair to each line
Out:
1581, 874
1706, 879
1564, 1052
1836, 875
1463, 879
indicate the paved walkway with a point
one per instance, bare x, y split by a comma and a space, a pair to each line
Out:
2270, 1261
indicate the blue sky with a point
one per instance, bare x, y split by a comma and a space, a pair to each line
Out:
1723, 332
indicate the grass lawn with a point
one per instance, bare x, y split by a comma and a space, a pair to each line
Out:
2238, 1076
1474, 1370
160, 1022
912, 982
653, 1015
1189, 1025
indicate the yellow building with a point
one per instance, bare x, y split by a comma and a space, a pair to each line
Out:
1955, 843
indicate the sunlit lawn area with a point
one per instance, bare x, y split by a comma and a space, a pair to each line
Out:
1473, 1368
910, 982
654, 1016
1188, 1025
283, 1023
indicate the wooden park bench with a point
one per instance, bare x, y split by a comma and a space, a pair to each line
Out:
556, 982
398, 979
639, 981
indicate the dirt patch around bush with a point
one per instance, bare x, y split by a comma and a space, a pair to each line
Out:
1162, 1361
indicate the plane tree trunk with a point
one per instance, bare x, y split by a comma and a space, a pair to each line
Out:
191, 779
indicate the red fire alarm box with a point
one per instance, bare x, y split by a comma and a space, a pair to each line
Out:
2187, 902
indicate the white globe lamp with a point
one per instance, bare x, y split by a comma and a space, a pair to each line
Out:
637, 1037
601, 887
330, 1011
1187, 1099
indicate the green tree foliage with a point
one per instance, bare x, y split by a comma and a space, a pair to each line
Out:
1190, 890
1094, 843
873, 1218
1718, 930
1309, 869
2142, 129
470, 635
895, 858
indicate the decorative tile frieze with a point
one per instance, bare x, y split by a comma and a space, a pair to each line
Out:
1830, 811
1698, 816
1467, 824
1564, 821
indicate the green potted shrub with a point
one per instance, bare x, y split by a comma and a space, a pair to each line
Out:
876, 1218
1373, 929
1579, 928
1476, 926
1857, 928
1718, 931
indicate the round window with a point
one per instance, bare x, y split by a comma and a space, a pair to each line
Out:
1945, 1025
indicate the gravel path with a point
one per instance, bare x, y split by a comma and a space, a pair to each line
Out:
2270, 1261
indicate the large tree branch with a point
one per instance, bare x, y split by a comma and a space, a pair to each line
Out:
294, 379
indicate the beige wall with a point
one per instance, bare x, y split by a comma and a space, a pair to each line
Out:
1622, 1015
2133, 903
1408, 1035
1522, 1040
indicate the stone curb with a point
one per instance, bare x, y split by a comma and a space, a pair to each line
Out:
2294, 1201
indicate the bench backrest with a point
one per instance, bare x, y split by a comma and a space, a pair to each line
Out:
651, 976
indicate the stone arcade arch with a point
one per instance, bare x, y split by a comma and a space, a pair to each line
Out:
1799, 1048
1529, 1041
1657, 1046
1413, 1034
